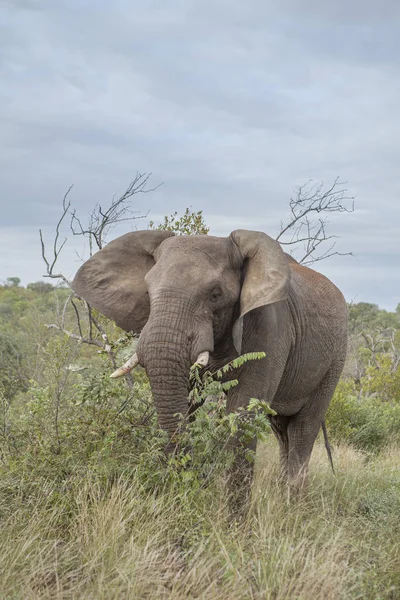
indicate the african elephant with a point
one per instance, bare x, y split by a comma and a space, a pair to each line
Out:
206, 299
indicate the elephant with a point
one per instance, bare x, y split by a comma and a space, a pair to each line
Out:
206, 299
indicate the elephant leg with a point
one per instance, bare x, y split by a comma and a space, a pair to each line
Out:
255, 382
241, 474
301, 437
303, 428
241, 471
279, 425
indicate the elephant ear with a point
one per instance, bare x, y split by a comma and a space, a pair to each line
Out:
112, 280
266, 274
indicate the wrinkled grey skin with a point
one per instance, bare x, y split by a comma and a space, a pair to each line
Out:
189, 294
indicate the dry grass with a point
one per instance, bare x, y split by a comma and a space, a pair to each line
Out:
87, 539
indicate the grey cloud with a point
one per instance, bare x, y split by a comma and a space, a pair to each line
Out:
231, 104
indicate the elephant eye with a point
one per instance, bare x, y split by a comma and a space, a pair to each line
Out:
215, 294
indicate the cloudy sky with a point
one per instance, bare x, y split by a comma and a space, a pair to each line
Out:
230, 104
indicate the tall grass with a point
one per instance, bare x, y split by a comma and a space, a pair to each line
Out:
85, 536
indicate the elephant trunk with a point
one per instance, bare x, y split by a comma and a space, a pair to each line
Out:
164, 350
170, 343
168, 367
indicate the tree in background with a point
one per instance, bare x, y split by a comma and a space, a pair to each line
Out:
12, 377
40, 287
12, 282
373, 332
190, 223
365, 314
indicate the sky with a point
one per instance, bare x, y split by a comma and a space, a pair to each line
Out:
230, 105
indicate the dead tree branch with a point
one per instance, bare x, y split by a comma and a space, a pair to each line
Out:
74, 336
307, 222
382, 341
101, 221
57, 247
89, 329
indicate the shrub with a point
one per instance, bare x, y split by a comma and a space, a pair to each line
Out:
375, 424
367, 415
341, 410
382, 379
73, 418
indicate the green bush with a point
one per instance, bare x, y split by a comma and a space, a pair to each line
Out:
75, 418
367, 415
382, 379
375, 424
341, 410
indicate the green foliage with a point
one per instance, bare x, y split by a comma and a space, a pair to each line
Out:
374, 336
382, 380
82, 462
367, 414
364, 316
206, 441
341, 410
190, 223
12, 378
17, 302
375, 425
91, 508
75, 417
210, 383
23, 313
40, 286
12, 281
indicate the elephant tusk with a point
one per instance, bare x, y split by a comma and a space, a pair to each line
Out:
128, 366
203, 358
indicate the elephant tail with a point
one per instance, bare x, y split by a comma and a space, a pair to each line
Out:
327, 445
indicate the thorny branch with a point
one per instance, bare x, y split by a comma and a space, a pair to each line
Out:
307, 227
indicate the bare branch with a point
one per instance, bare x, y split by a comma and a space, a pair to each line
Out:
56, 246
90, 318
326, 255
65, 309
78, 320
382, 341
310, 201
102, 220
80, 339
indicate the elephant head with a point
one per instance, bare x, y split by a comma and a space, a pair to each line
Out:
185, 295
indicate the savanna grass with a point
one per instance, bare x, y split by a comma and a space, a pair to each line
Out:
84, 536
